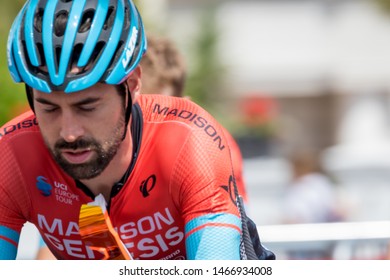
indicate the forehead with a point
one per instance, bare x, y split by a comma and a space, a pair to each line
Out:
97, 91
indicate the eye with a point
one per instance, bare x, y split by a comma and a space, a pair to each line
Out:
50, 109
87, 108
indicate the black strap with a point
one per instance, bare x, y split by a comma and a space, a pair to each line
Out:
250, 247
136, 134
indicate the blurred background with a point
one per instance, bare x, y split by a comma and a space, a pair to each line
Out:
304, 88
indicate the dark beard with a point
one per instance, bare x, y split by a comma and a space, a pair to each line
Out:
104, 153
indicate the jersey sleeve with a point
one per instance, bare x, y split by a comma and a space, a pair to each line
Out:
206, 196
11, 199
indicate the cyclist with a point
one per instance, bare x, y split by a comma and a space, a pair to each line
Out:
164, 72
162, 164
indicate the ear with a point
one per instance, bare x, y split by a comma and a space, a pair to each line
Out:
134, 82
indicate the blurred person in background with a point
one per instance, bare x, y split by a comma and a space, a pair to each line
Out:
163, 67
310, 198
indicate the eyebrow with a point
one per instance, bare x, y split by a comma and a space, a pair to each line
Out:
85, 101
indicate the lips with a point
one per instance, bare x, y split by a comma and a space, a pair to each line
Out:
77, 157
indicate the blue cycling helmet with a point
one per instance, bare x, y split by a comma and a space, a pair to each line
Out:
65, 45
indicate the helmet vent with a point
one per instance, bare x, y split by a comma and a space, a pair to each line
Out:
75, 57
86, 21
119, 48
41, 56
98, 51
58, 54
38, 20
95, 56
60, 23
109, 18
127, 16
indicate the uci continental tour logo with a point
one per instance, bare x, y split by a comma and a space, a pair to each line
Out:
59, 190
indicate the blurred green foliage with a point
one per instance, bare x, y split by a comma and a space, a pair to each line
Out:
12, 97
206, 72
384, 4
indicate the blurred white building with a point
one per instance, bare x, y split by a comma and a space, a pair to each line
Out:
295, 46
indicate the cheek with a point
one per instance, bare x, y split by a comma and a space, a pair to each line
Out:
105, 127
113, 116
48, 131
49, 139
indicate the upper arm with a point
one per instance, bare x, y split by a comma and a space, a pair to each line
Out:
8, 243
9, 235
213, 237
11, 198
207, 199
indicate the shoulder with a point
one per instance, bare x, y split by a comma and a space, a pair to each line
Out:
21, 138
18, 126
168, 108
22, 149
181, 112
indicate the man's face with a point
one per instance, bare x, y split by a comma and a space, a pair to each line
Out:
83, 130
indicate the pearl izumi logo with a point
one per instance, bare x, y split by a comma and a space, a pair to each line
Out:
148, 185
61, 191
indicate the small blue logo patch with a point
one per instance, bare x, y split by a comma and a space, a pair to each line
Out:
43, 186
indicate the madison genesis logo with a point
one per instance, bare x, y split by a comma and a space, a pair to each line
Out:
43, 186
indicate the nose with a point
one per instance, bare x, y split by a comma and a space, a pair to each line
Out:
71, 128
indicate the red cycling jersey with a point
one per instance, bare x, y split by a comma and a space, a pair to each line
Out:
177, 202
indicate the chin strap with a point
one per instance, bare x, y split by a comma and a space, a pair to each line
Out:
29, 94
128, 108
